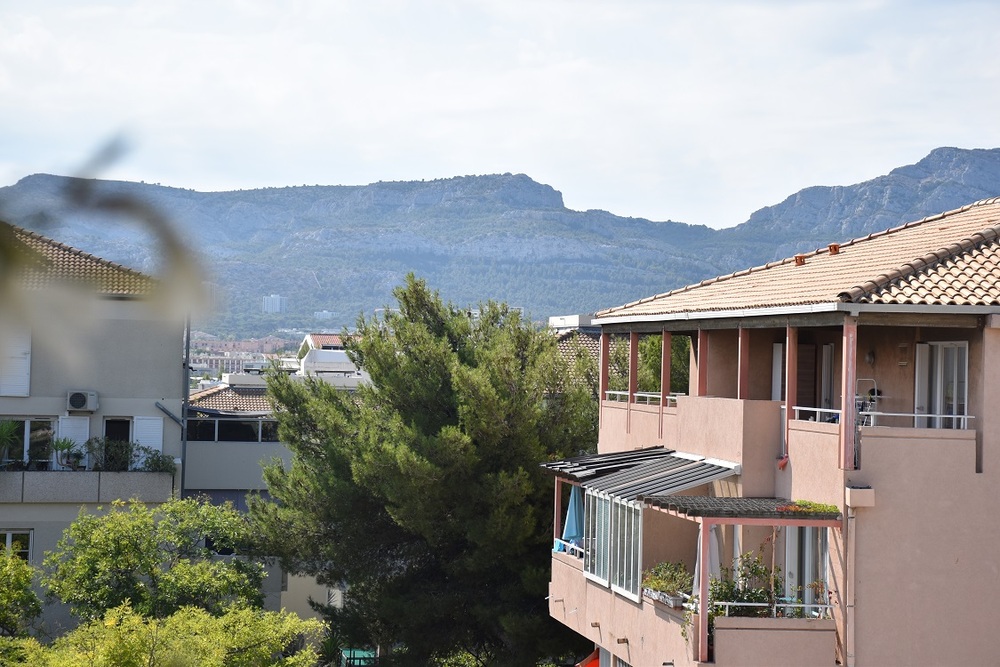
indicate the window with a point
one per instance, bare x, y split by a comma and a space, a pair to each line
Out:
232, 430
18, 541
613, 542
806, 570
942, 389
118, 429
605, 659
34, 442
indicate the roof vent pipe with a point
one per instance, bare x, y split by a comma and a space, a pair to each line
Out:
834, 248
800, 260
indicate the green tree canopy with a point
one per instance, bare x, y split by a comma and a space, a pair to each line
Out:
422, 491
158, 560
189, 637
19, 605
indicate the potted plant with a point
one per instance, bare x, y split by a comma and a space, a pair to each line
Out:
9, 436
68, 453
666, 581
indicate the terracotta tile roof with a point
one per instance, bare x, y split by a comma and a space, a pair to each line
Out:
232, 399
44, 263
569, 341
324, 340
948, 259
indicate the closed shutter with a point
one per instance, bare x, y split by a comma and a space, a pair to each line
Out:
15, 361
148, 431
75, 428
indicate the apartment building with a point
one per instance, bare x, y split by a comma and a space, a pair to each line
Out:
840, 424
84, 351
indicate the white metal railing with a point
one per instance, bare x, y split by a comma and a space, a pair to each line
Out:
569, 547
647, 397
812, 610
643, 397
827, 414
964, 419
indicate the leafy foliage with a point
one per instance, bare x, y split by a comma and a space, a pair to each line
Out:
668, 577
19, 605
190, 637
749, 581
649, 363
423, 491
154, 559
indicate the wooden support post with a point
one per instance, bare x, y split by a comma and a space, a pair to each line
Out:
848, 387
791, 375
557, 521
633, 365
704, 568
702, 360
743, 372
665, 359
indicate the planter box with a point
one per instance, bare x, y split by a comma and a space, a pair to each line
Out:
674, 601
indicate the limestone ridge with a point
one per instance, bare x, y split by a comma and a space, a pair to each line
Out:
503, 236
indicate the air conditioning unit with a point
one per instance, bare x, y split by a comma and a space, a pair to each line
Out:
81, 401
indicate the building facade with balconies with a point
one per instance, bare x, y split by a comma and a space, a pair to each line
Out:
88, 349
839, 424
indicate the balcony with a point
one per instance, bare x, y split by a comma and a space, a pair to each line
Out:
84, 487
650, 633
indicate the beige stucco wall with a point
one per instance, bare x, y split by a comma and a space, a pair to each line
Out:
812, 471
299, 590
786, 642
230, 465
926, 556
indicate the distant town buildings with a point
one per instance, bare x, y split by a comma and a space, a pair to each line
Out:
274, 303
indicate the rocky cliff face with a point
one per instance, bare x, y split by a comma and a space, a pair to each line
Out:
503, 237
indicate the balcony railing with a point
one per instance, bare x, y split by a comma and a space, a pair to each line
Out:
642, 397
232, 430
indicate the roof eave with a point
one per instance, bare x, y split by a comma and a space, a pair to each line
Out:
852, 309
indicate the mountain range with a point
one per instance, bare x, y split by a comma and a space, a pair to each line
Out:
503, 237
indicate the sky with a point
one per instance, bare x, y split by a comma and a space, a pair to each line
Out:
693, 111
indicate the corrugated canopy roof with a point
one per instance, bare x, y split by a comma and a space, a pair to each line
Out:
948, 259
643, 472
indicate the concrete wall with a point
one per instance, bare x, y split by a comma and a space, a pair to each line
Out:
812, 471
926, 567
230, 465
81, 487
776, 642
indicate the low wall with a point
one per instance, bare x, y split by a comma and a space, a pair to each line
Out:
84, 487
795, 642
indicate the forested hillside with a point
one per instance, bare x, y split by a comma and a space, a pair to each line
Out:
502, 237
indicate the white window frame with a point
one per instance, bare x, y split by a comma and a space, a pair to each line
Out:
26, 438
807, 558
613, 539
930, 393
7, 539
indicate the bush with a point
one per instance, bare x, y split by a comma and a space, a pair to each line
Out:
671, 578
112, 455
154, 461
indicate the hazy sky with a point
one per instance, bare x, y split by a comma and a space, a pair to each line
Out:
695, 111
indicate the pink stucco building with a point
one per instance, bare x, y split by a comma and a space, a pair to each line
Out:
863, 377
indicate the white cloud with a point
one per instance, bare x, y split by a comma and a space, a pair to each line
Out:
694, 111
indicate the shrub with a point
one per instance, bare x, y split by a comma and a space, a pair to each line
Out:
672, 578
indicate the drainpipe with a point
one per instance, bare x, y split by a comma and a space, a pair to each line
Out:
849, 581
